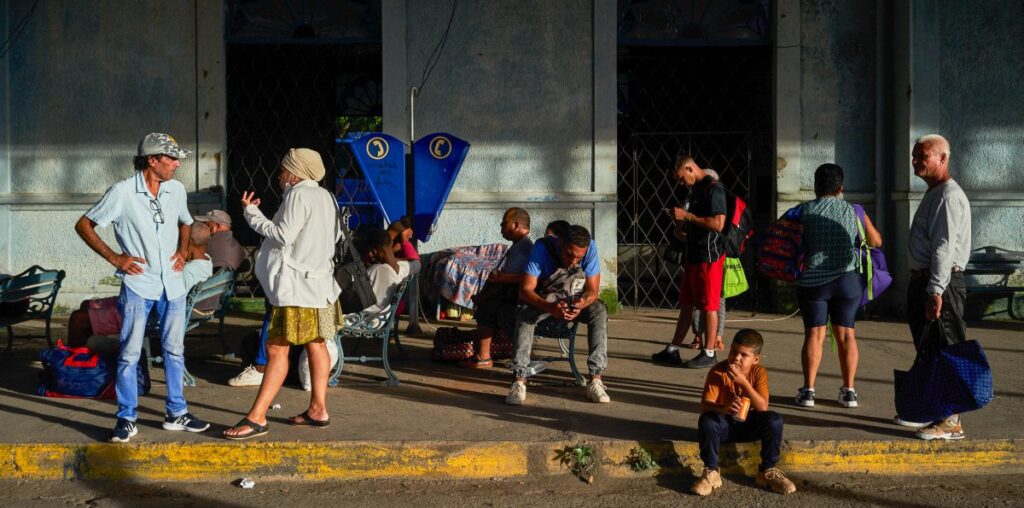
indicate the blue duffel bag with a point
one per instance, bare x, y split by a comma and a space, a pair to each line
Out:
82, 373
947, 381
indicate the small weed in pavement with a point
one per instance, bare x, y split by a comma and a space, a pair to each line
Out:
579, 459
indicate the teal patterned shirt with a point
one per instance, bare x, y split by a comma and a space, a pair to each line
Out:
830, 237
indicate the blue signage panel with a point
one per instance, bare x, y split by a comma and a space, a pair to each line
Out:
381, 158
436, 161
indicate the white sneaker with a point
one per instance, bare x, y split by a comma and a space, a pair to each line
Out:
597, 392
899, 421
248, 377
517, 395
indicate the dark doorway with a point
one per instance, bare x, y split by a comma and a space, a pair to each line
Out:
686, 91
299, 74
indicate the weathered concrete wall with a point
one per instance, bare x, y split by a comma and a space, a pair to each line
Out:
83, 83
838, 91
981, 112
526, 86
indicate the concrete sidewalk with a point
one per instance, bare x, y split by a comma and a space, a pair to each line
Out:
448, 422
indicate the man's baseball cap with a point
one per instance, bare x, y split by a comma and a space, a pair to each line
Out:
156, 143
218, 216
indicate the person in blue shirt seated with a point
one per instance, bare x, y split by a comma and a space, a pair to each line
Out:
562, 279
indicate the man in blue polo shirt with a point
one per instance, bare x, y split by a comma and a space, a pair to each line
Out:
152, 226
562, 279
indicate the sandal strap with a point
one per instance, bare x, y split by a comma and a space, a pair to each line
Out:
252, 425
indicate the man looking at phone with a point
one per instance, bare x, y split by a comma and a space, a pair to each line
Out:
701, 284
562, 279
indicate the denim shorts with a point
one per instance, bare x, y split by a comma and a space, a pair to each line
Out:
838, 299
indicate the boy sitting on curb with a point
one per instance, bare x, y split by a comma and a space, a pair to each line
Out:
723, 417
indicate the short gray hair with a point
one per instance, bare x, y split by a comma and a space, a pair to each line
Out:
934, 140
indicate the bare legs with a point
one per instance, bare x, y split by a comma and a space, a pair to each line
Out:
849, 356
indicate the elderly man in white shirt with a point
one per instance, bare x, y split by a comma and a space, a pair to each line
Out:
294, 267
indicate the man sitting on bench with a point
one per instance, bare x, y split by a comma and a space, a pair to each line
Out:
559, 270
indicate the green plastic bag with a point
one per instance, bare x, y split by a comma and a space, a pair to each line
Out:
734, 281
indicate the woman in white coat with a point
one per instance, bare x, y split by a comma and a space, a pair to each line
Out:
294, 267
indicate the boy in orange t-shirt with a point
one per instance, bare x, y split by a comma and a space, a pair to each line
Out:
727, 384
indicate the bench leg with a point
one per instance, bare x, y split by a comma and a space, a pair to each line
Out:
392, 380
49, 338
336, 372
188, 379
10, 340
580, 380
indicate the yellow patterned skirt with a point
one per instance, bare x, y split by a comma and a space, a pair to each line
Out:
300, 325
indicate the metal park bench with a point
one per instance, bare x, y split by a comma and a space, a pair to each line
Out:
1001, 264
371, 326
31, 294
220, 285
565, 333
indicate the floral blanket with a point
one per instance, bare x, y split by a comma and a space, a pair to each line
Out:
458, 274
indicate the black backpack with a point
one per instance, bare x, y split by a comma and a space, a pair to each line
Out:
350, 273
738, 225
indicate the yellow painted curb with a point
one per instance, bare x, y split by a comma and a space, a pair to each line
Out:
306, 461
874, 457
480, 460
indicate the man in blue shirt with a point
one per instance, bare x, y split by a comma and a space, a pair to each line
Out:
562, 279
152, 225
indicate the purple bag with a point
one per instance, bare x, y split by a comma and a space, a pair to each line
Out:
874, 269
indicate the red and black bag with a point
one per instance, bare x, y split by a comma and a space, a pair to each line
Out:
453, 344
739, 225
781, 254
81, 373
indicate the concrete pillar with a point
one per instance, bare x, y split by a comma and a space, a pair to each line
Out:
788, 111
915, 112
605, 140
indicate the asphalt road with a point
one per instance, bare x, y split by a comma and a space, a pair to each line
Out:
818, 491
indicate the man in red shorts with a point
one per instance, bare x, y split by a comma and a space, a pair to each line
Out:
701, 284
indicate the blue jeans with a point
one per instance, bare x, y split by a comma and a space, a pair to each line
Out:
135, 310
714, 429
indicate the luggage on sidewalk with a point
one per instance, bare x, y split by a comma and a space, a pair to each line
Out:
82, 373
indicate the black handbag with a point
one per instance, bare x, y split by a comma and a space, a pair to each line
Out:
351, 275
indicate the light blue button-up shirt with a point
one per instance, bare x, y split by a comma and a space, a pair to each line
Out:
132, 209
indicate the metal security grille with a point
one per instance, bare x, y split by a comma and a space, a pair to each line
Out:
713, 103
300, 73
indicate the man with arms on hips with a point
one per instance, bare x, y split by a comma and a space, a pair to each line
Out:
559, 270
152, 225
940, 246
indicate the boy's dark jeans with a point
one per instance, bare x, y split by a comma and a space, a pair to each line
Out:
714, 429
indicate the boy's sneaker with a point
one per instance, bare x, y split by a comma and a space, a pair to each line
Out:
597, 393
847, 397
899, 421
707, 483
248, 377
667, 358
124, 430
775, 480
701, 361
185, 422
805, 397
517, 395
944, 429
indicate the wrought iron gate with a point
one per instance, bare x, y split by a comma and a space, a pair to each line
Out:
713, 103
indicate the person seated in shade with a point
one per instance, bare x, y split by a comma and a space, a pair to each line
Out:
562, 279
385, 271
496, 302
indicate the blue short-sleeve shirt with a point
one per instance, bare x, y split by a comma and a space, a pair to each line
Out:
130, 207
542, 266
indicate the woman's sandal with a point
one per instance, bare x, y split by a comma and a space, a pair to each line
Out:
255, 430
697, 343
305, 420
